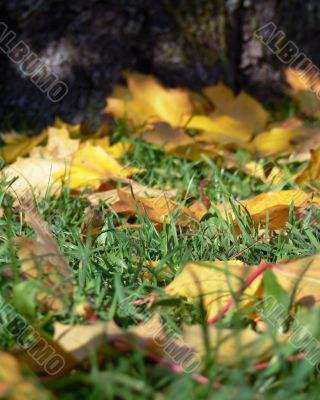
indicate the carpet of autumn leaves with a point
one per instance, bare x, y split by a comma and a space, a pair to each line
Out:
228, 133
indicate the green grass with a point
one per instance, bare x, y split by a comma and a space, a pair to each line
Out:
114, 265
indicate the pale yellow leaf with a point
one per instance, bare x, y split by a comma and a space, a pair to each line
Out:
14, 385
34, 177
213, 283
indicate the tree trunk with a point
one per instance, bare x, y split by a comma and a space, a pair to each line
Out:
193, 43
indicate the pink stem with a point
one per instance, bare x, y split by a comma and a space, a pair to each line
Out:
293, 357
176, 368
260, 270
204, 197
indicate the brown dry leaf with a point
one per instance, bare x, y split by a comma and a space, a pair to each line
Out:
158, 209
198, 209
43, 355
243, 108
312, 171
274, 205
304, 89
111, 196
42, 259
15, 386
163, 135
306, 144
147, 101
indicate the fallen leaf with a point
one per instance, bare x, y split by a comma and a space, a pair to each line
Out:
312, 171
213, 282
147, 101
91, 165
275, 140
273, 206
117, 150
166, 137
229, 346
303, 273
20, 147
59, 147
14, 385
79, 340
158, 209
304, 89
42, 259
303, 146
74, 130
36, 173
222, 129
34, 176
297, 79
243, 108
112, 196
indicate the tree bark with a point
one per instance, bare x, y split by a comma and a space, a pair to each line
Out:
191, 43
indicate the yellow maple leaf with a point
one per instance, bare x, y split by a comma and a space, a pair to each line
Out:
147, 101
215, 283
90, 165
243, 108
223, 129
275, 140
20, 147
35, 173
